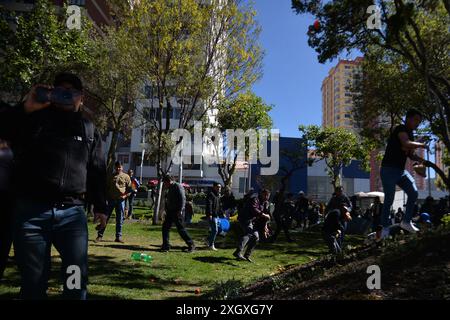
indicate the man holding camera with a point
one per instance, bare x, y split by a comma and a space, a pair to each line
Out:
58, 153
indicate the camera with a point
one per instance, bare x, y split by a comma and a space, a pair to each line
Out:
57, 96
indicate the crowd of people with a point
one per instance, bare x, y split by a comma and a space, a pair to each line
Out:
52, 146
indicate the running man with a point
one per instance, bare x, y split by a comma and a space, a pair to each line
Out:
400, 146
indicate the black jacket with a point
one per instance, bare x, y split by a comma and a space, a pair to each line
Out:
333, 222
228, 202
212, 205
175, 199
251, 209
58, 156
336, 202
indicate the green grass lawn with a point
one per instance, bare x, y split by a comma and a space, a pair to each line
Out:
174, 274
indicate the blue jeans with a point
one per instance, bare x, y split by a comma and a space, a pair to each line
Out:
333, 244
119, 207
130, 200
214, 225
390, 177
36, 227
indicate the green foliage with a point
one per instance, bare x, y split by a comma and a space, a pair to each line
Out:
194, 56
407, 59
337, 146
142, 189
226, 290
446, 220
35, 46
246, 111
199, 197
384, 94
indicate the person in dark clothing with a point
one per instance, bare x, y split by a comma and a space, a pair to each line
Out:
188, 210
152, 197
401, 146
289, 210
175, 202
314, 214
135, 184
213, 211
250, 212
262, 222
441, 211
228, 202
376, 209
399, 215
302, 210
59, 153
428, 207
281, 217
333, 228
6, 162
338, 199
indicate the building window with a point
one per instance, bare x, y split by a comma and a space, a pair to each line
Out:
123, 158
191, 166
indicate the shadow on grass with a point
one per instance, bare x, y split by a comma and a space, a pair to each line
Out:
103, 271
221, 260
305, 252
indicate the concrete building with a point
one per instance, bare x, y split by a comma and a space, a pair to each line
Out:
337, 102
293, 157
319, 183
337, 105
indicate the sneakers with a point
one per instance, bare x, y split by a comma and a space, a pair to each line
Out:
164, 249
238, 256
381, 235
213, 248
119, 240
98, 239
409, 226
248, 259
191, 248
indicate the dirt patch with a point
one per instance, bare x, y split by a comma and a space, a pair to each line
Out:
411, 268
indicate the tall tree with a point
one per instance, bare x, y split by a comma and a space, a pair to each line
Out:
114, 83
35, 45
195, 55
416, 31
246, 111
336, 146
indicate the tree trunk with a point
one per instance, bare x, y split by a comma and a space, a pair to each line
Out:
158, 204
112, 150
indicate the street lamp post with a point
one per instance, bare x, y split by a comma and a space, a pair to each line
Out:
429, 177
142, 155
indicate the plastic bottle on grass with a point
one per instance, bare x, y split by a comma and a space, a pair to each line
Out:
137, 256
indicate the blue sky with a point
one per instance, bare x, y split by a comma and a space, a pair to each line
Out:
292, 75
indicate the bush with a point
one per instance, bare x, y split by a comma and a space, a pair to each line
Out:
189, 197
446, 220
142, 189
199, 197
227, 290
